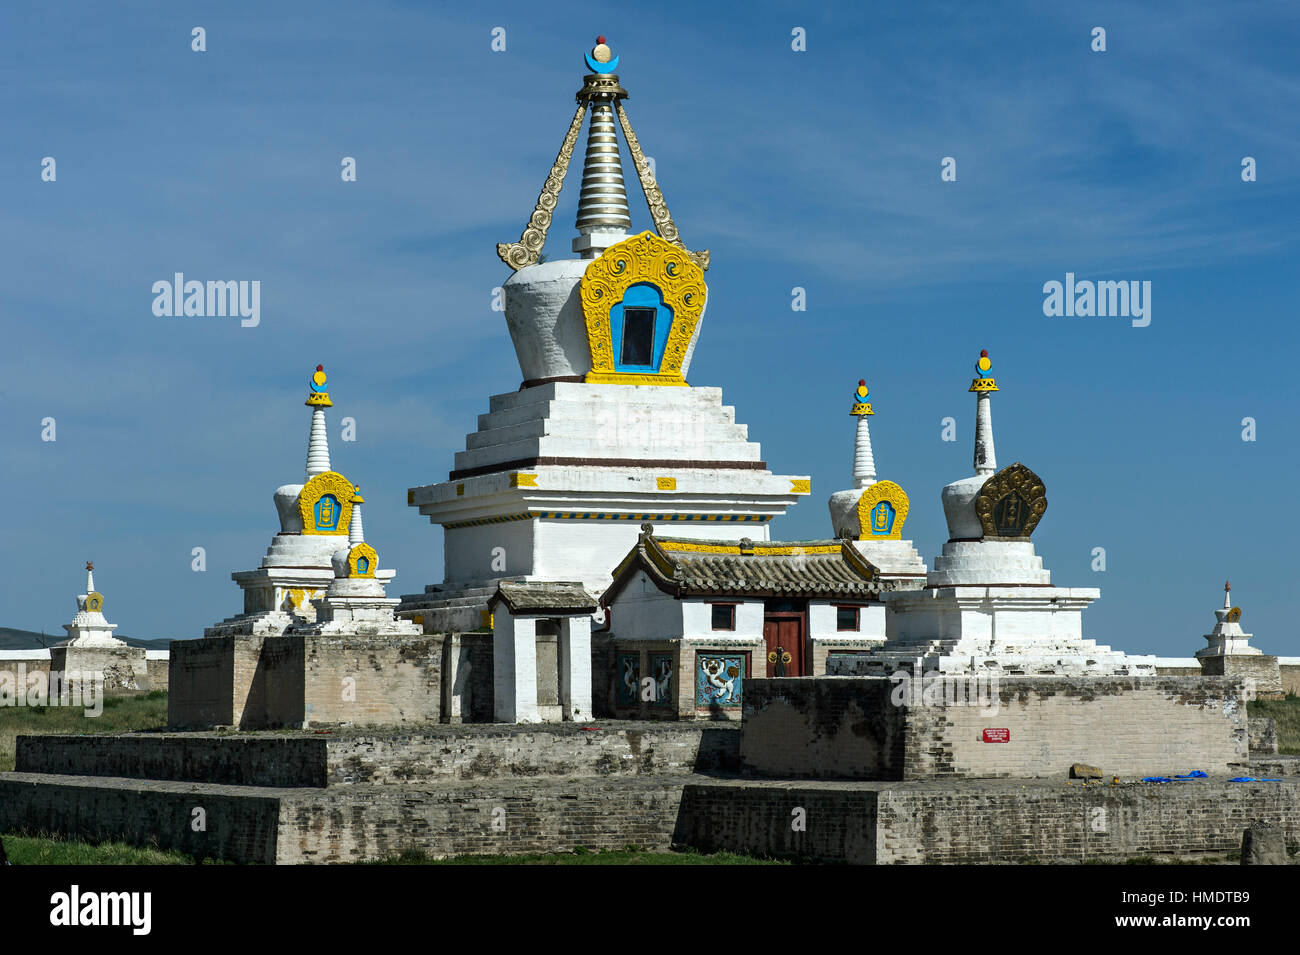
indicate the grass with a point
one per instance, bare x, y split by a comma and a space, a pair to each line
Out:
45, 850
1286, 712
121, 714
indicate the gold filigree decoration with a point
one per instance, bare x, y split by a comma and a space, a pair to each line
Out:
896, 497
650, 259
329, 483
654, 198
1011, 503
529, 247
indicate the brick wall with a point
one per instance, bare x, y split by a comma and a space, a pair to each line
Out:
254, 682
353, 758
982, 822
851, 727
828, 727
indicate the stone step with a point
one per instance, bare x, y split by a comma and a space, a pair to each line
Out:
427, 755
348, 824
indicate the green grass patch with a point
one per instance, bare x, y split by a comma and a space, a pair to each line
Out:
629, 856
1286, 712
44, 850
127, 713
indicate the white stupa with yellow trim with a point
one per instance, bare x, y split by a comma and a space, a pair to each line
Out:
355, 602
92, 658
989, 605
315, 519
872, 513
89, 628
605, 433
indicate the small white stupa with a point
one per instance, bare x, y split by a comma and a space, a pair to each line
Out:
1227, 638
872, 512
91, 652
89, 628
988, 605
1230, 654
314, 521
355, 602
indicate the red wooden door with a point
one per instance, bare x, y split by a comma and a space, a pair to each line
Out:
783, 634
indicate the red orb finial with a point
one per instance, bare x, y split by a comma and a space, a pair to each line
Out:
600, 39
984, 353
1227, 586
862, 381
320, 367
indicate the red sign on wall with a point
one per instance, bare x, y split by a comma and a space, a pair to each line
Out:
997, 736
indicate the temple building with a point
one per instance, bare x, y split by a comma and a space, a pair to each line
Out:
605, 432
91, 651
988, 605
691, 619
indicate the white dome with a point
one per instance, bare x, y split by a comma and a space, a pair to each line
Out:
959, 508
286, 505
544, 315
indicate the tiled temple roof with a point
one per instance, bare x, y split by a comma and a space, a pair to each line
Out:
695, 568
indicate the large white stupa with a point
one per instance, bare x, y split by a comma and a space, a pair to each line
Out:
604, 433
989, 605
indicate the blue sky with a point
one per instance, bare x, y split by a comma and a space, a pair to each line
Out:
816, 169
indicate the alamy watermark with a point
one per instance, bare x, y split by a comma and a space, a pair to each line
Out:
933, 688
76, 688
195, 299
1085, 298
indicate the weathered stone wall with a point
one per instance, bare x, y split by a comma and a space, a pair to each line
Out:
1053, 823
159, 673
1261, 668
838, 824
1263, 735
545, 816
1290, 676
236, 759
850, 727
967, 822
619, 750
434, 757
256, 682
1054, 723
372, 680
827, 727
201, 683
242, 823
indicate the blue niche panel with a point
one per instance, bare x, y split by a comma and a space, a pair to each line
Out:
638, 328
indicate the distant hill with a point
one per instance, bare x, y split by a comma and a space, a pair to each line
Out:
11, 639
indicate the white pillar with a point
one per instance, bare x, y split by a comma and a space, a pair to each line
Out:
318, 446
575, 674
356, 531
986, 461
514, 667
864, 464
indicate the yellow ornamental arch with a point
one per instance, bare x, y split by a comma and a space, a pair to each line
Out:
325, 504
882, 511
362, 561
643, 259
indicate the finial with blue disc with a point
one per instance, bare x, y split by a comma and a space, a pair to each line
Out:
860, 395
